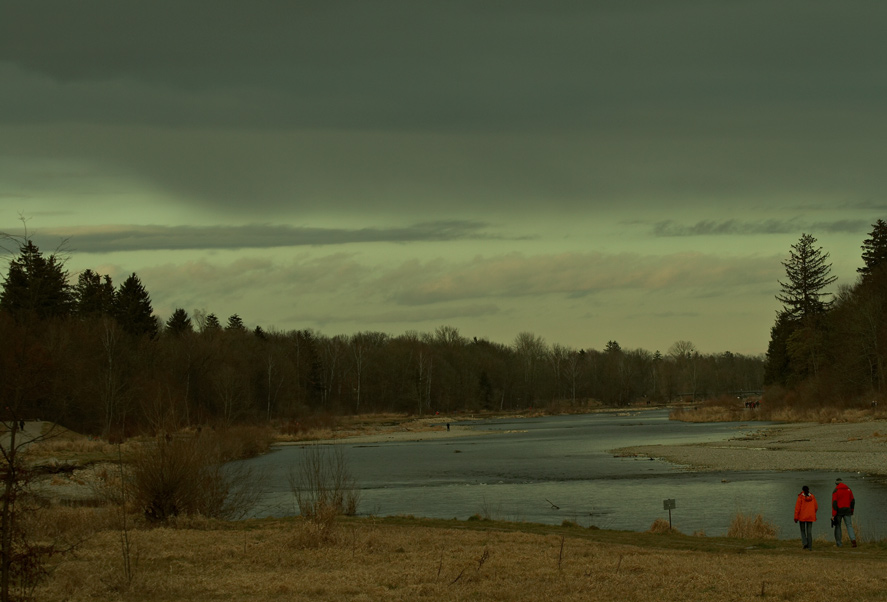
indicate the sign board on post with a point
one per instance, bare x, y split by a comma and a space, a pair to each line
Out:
669, 505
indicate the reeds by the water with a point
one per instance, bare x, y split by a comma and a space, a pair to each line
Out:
746, 526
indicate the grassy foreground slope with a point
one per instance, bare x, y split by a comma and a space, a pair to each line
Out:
413, 559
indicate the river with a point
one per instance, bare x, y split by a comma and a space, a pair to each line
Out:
559, 468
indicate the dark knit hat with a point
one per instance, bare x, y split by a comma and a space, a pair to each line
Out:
838, 480
805, 489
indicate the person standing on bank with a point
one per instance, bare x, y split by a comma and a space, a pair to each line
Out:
805, 515
843, 506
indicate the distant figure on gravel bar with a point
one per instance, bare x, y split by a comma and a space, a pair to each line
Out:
805, 515
843, 506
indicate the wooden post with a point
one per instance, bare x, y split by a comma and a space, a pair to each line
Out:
668, 505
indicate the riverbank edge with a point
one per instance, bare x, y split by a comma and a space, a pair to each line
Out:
438, 427
846, 447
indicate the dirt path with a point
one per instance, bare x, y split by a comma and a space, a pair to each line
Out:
32, 430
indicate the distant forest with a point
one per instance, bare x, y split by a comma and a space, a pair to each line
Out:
92, 356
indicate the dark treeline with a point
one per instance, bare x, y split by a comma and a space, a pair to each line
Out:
92, 356
831, 349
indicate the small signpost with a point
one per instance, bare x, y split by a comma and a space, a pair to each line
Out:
669, 505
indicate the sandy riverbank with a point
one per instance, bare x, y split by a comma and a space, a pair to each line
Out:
422, 429
839, 447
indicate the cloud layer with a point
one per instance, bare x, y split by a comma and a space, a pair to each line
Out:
590, 171
110, 239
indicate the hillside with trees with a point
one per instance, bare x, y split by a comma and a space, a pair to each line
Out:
830, 349
91, 355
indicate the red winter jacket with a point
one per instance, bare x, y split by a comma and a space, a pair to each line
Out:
805, 508
842, 500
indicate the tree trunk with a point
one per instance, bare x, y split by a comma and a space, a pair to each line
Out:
7, 520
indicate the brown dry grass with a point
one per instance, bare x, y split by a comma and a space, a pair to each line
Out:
66, 445
745, 526
660, 525
63, 445
323, 427
403, 559
735, 411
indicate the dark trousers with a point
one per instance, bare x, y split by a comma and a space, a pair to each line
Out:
807, 534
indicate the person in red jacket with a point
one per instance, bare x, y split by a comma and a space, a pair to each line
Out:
805, 515
843, 506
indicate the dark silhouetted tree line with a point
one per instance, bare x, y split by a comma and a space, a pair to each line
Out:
93, 357
831, 348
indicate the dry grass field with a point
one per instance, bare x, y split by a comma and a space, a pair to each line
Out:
412, 559
403, 558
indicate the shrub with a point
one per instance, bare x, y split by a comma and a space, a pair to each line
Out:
240, 442
306, 424
660, 525
323, 485
174, 476
745, 526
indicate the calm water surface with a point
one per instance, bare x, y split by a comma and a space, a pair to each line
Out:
556, 468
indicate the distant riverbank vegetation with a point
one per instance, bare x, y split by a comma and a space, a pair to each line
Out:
779, 407
87, 353
828, 352
91, 355
827, 356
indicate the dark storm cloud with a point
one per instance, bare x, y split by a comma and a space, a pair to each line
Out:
254, 106
245, 171
464, 64
109, 239
733, 227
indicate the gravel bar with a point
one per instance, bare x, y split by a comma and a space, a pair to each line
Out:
842, 447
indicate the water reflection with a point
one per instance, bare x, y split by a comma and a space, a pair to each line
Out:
558, 468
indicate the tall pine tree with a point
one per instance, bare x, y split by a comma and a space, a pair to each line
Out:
36, 285
93, 294
235, 324
874, 250
132, 308
179, 323
796, 348
807, 274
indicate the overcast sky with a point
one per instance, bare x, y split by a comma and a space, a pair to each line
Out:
584, 171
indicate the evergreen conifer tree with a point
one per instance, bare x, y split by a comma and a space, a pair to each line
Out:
212, 324
874, 250
179, 323
235, 324
36, 284
132, 308
777, 370
807, 274
93, 294
795, 350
